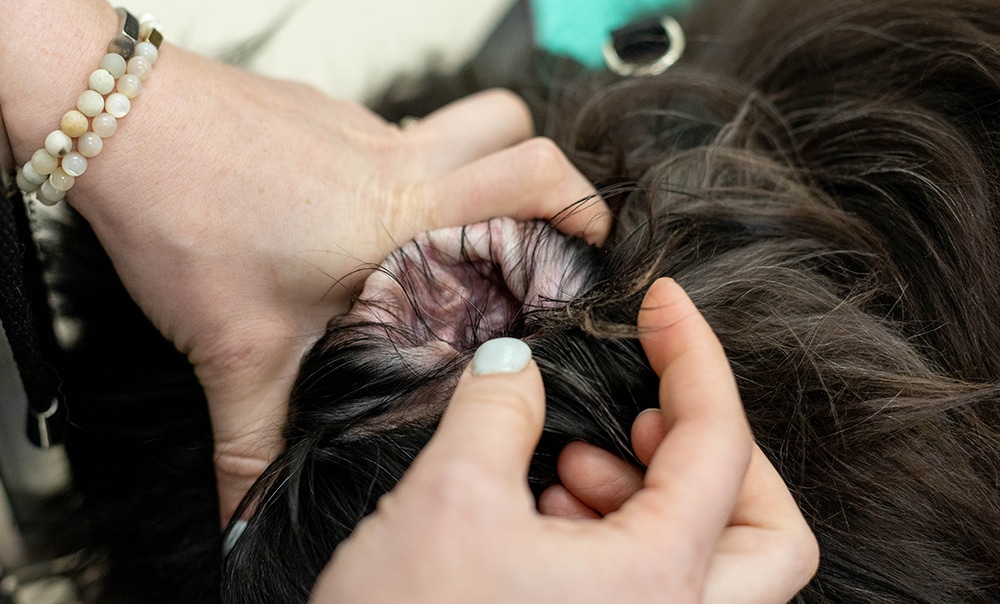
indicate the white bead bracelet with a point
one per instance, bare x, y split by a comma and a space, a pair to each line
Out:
53, 169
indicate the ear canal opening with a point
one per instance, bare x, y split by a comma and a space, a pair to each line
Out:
463, 286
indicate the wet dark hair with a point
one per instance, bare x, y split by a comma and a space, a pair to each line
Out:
822, 179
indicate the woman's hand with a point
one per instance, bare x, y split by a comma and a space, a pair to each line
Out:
711, 521
242, 212
242, 262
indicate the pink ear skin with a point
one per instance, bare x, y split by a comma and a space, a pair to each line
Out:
461, 286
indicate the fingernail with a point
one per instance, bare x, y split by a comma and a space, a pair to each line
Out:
501, 355
234, 534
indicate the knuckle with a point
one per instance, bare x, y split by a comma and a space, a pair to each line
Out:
807, 553
798, 555
542, 160
521, 408
512, 100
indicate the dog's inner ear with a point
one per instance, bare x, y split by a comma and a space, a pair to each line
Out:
459, 287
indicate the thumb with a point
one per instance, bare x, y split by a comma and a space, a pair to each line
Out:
496, 415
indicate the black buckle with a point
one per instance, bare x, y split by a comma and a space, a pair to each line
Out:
646, 47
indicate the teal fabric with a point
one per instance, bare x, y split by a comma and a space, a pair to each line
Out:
578, 28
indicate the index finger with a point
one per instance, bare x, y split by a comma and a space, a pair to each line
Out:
695, 476
533, 179
469, 129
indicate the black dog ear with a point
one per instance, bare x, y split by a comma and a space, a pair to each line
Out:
462, 286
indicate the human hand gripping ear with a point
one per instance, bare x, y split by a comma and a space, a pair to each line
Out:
240, 210
472, 160
711, 521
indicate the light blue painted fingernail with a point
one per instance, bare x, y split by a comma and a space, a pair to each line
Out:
501, 355
234, 534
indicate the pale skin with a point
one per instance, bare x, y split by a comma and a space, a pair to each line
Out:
238, 211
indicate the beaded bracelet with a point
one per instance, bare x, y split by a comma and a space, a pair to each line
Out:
53, 169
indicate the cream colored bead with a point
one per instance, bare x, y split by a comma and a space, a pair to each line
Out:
74, 164
58, 143
89, 145
101, 81
48, 195
130, 85
117, 104
74, 123
24, 184
105, 125
60, 180
28, 171
139, 66
43, 163
114, 64
147, 50
90, 103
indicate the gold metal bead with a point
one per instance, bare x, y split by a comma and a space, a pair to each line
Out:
155, 38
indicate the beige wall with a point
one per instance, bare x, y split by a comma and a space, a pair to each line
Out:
344, 48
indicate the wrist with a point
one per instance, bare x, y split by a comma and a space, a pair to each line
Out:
40, 71
45, 81
45, 73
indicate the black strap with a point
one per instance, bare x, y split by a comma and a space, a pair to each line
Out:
27, 321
